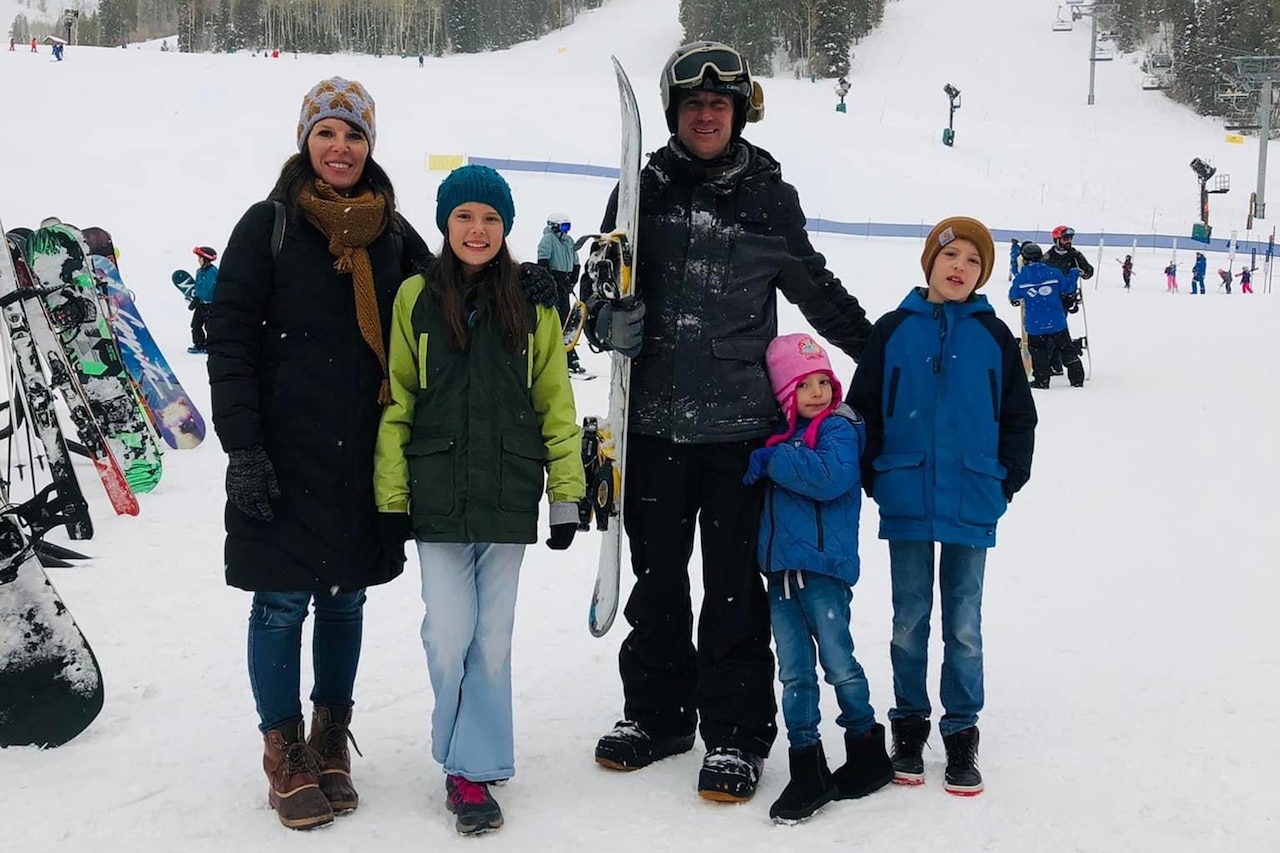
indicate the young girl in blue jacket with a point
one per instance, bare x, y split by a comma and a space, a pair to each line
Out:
808, 550
950, 432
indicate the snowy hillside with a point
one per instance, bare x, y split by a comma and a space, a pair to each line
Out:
1132, 649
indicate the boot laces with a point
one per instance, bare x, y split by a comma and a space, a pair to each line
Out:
333, 743
471, 793
297, 759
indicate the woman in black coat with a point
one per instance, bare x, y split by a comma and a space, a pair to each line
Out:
297, 366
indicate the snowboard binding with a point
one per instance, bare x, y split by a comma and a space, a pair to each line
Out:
602, 475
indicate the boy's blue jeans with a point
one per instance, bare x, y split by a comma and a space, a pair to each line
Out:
811, 626
960, 573
469, 593
275, 651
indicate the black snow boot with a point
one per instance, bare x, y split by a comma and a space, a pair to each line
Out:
729, 775
629, 747
963, 777
810, 788
909, 736
867, 767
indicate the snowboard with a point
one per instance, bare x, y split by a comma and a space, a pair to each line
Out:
610, 269
50, 683
92, 442
185, 283
57, 255
175, 416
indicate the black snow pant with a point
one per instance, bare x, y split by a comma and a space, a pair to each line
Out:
1043, 348
724, 686
199, 317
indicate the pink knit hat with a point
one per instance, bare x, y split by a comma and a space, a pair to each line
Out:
789, 359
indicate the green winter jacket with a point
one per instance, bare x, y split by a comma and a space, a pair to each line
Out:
469, 434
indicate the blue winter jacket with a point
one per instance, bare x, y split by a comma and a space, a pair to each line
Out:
950, 420
206, 282
1198, 269
1040, 288
813, 500
557, 250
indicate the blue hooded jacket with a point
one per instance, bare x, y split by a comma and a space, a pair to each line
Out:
813, 500
1198, 269
206, 282
557, 250
1040, 288
950, 420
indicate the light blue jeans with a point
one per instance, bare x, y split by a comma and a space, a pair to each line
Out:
469, 593
811, 626
960, 575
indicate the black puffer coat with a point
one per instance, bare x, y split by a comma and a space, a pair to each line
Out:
717, 243
289, 370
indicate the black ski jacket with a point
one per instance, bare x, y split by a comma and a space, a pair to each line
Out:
1069, 260
289, 370
716, 244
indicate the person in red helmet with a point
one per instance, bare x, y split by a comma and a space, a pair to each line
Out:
202, 297
1063, 257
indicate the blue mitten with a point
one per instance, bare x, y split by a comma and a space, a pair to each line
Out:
759, 464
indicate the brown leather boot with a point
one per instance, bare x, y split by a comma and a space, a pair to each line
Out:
328, 742
292, 773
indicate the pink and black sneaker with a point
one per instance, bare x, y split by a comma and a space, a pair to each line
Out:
473, 806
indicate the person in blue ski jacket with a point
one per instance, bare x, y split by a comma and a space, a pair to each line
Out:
1197, 272
808, 551
1015, 254
950, 435
1045, 292
202, 297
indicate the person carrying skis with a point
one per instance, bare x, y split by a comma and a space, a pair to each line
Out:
297, 372
1197, 272
808, 550
1246, 280
950, 432
700, 403
1126, 269
556, 254
1171, 278
202, 297
497, 369
1045, 292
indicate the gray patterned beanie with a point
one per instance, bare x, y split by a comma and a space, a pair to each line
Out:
336, 98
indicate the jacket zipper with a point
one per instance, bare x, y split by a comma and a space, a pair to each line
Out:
995, 394
773, 531
893, 392
817, 511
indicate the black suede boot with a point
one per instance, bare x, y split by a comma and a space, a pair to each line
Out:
866, 768
810, 788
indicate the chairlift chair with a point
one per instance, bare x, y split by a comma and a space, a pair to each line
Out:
1103, 53
1161, 62
1153, 83
1062, 26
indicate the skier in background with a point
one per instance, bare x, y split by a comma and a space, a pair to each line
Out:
1171, 278
1197, 272
700, 404
34, 49
1126, 269
556, 254
1246, 280
1015, 254
202, 297
1046, 291
1224, 280
1065, 257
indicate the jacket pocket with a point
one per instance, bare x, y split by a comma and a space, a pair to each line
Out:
899, 484
433, 461
745, 348
982, 489
520, 475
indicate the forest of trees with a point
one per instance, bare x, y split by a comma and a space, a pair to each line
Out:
800, 37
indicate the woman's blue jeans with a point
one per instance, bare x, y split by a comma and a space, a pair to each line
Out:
275, 651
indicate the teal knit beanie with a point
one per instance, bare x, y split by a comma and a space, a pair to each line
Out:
474, 183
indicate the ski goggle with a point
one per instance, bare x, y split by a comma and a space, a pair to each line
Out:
1067, 234
563, 227
689, 70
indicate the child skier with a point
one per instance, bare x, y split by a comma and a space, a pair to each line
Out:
1171, 278
202, 297
1047, 293
950, 431
1246, 280
1126, 269
808, 551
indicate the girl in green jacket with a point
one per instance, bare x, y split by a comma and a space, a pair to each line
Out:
481, 409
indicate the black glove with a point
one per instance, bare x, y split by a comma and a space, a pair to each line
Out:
562, 535
545, 263
1007, 489
538, 285
1015, 302
617, 325
575, 274
251, 482
1086, 274
394, 529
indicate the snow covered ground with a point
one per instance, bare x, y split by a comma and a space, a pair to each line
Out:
1131, 639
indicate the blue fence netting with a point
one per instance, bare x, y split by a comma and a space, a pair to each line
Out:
916, 231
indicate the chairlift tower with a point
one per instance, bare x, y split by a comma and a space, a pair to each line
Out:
1261, 73
1092, 11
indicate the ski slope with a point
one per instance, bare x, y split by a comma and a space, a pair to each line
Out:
1132, 648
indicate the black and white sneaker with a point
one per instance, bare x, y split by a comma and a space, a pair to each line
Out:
909, 737
963, 777
729, 775
629, 747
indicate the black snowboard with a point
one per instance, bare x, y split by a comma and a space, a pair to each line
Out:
50, 684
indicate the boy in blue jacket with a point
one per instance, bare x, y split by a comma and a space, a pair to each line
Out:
808, 551
1047, 294
950, 432
201, 302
